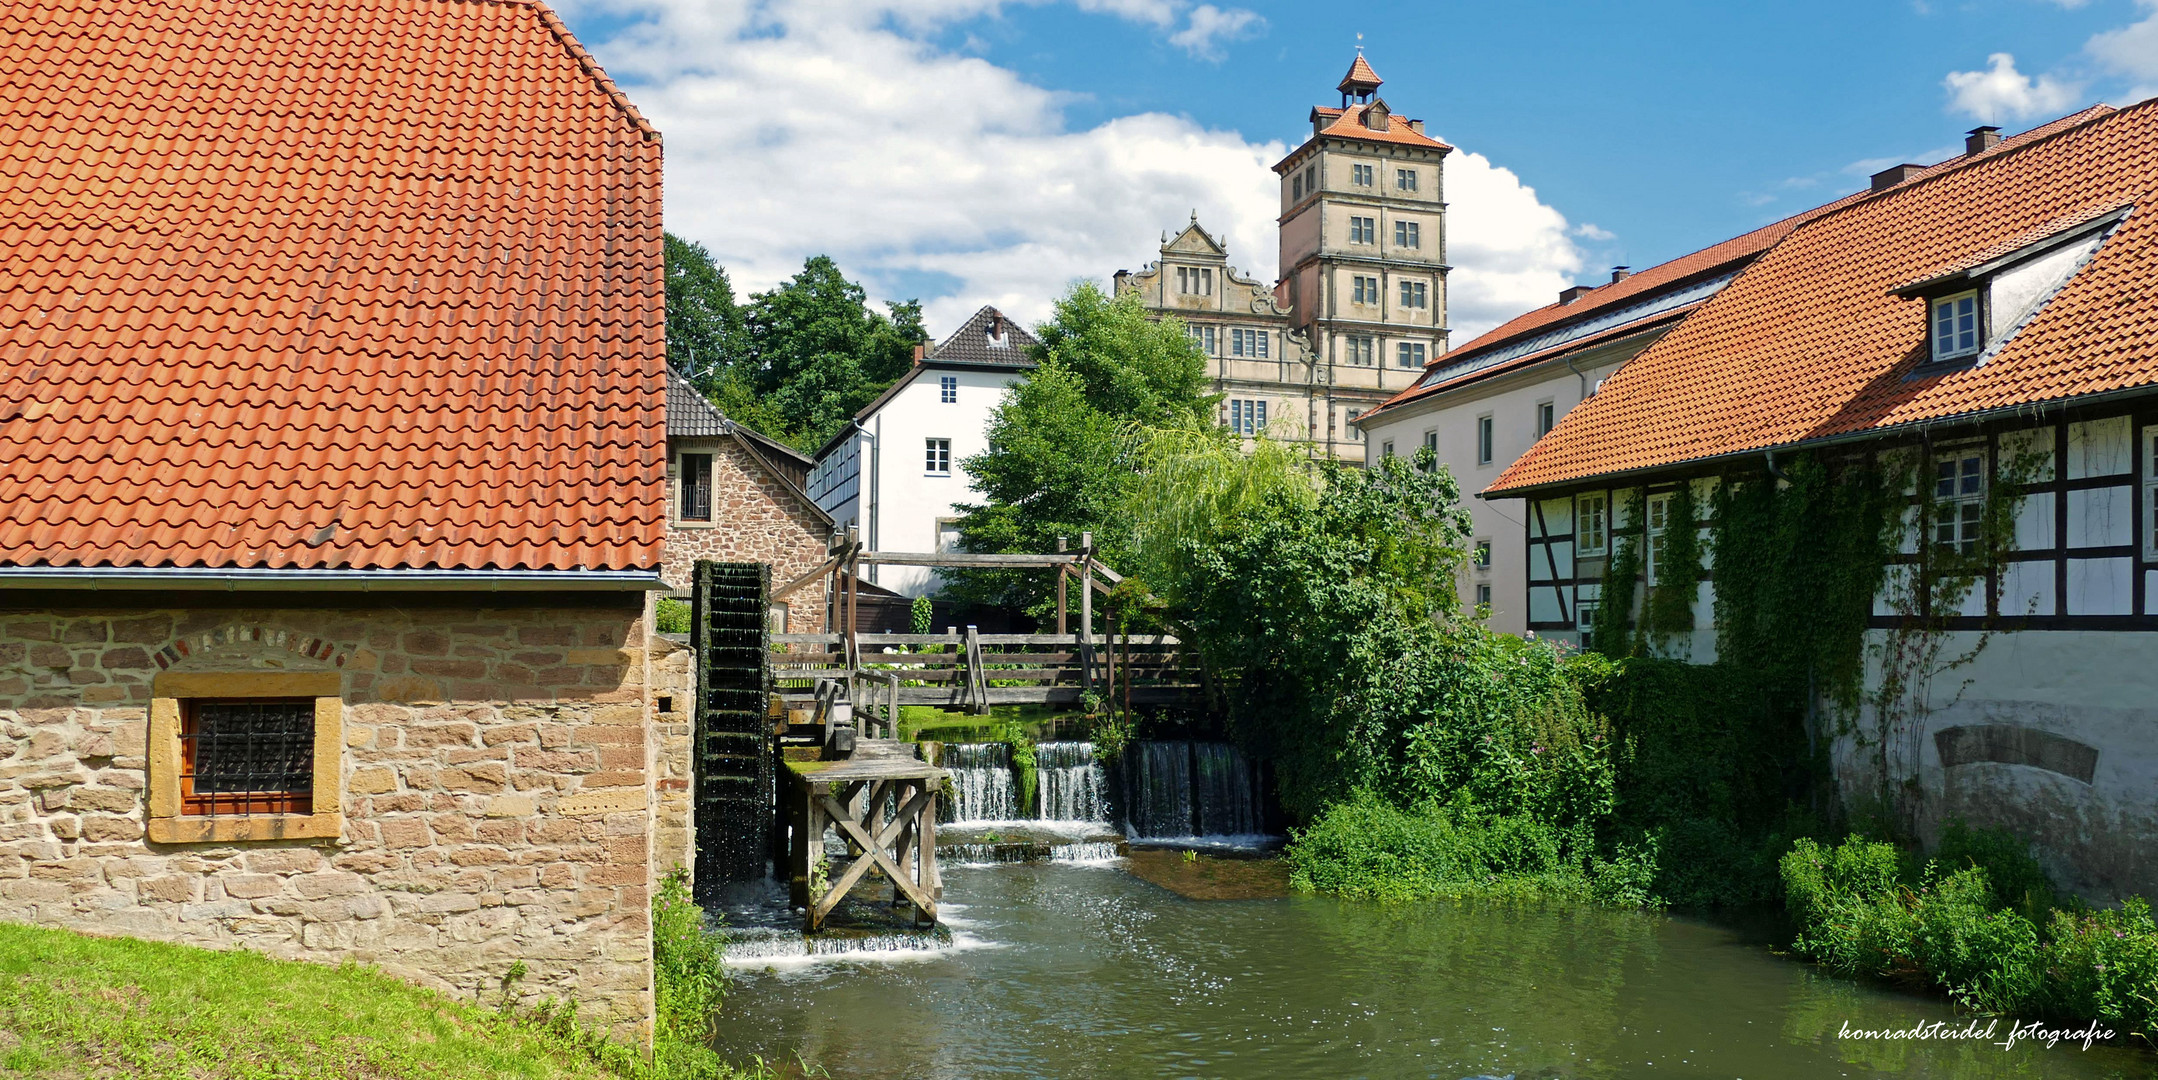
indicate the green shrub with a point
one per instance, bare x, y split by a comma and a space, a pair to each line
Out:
1368, 848
1867, 909
671, 616
2104, 965
688, 983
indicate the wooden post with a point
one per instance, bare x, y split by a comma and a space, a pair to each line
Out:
1064, 574
1086, 609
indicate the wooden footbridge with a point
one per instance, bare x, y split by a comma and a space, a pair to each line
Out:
831, 695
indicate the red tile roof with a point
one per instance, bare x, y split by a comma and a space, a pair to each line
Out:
1812, 342
1360, 74
357, 284
1349, 124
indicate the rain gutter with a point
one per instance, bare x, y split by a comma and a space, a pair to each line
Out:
270, 580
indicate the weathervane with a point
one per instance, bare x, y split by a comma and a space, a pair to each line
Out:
1359, 44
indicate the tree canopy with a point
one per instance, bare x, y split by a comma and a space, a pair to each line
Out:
795, 363
1061, 444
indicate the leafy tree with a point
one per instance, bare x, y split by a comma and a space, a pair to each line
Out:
1061, 445
817, 354
797, 362
704, 326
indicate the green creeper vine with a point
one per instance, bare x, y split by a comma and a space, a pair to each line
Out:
1611, 631
1667, 606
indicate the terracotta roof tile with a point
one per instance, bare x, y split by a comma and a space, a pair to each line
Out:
1360, 74
1812, 342
345, 284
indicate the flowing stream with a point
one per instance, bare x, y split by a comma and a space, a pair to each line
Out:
1059, 970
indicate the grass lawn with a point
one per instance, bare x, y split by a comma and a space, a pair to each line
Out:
79, 1006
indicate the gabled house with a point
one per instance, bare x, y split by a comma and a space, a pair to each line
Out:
898, 471
332, 488
1478, 408
735, 495
1981, 335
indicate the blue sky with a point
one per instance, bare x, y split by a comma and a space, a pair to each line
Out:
972, 151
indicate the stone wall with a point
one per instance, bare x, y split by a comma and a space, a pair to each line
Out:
498, 785
674, 689
756, 517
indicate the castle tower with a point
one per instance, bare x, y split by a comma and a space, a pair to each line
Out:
1361, 303
1363, 239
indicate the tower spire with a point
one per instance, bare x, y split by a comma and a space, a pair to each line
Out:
1361, 82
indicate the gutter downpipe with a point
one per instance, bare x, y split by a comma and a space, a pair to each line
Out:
1578, 374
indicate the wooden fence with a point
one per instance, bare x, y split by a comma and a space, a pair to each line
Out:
971, 671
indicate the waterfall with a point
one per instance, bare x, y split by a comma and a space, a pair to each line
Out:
1072, 787
981, 782
1179, 789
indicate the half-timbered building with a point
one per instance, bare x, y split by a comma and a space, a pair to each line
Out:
1985, 329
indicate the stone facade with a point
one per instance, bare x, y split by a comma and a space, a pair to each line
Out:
499, 773
756, 517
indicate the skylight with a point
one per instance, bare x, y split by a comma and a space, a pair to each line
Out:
1654, 305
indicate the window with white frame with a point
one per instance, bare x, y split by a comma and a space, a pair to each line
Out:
948, 389
1481, 555
1431, 443
1408, 234
1659, 535
1361, 175
1415, 294
1592, 523
1959, 499
1361, 349
1386, 448
1585, 615
1363, 230
1363, 290
1955, 326
1205, 337
1483, 595
1483, 440
1546, 417
938, 457
2150, 493
1405, 179
948, 539
1409, 354
1247, 417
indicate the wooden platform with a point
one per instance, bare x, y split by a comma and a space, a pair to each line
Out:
883, 800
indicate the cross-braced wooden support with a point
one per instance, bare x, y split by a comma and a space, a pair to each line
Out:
885, 809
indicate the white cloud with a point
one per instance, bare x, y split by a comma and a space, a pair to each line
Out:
2002, 93
798, 127
1510, 252
1211, 25
2132, 50
1591, 231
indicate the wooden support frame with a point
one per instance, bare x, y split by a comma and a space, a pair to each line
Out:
901, 845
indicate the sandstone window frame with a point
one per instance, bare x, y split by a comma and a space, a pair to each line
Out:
170, 692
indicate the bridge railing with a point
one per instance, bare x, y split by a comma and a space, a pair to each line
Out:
973, 670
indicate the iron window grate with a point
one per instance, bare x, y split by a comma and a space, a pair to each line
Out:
248, 757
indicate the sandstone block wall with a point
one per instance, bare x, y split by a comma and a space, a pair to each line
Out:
499, 776
756, 517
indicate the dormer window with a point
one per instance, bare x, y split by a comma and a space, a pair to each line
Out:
1956, 330
1975, 307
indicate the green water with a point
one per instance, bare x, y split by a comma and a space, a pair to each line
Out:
1087, 971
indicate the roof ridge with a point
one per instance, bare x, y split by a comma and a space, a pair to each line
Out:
2022, 140
585, 60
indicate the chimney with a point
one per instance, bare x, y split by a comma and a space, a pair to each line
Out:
1981, 138
1895, 174
1620, 273
1574, 292
1416, 126
919, 352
